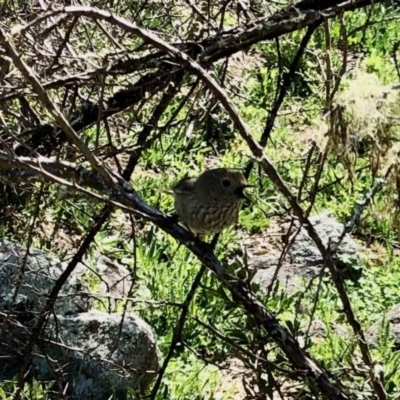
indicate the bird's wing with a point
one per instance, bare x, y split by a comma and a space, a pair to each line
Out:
185, 185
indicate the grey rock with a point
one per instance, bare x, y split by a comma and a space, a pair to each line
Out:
393, 318
101, 354
34, 275
116, 280
303, 260
95, 354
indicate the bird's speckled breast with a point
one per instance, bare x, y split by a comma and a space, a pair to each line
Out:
212, 217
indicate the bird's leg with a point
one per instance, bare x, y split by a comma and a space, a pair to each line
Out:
172, 219
211, 246
214, 241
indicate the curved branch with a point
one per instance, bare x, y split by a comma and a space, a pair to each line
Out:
123, 196
207, 52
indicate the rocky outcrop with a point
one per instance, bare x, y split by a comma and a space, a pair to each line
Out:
393, 319
303, 260
94, 354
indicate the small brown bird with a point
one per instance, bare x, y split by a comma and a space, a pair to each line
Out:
210, 203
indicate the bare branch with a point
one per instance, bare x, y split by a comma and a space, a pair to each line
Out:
58, 116
128, 198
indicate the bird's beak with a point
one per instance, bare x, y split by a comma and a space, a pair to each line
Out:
240, 192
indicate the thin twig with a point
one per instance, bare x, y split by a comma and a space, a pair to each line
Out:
177, 336
58, 116
284, 83
104, 215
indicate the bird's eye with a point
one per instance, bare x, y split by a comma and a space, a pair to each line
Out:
226, 183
